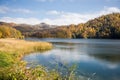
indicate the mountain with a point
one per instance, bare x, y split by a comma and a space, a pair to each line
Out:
44, 26
106, 26
8, 24
27, 29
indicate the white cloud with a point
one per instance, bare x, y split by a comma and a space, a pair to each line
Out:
53, 12
76, 18
20, 20
108, 10
22, 10
63, 18
5, 9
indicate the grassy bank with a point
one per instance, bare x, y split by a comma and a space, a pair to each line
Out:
12, 68
14, 49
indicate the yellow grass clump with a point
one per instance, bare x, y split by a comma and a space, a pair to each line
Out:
16, 45
12, 68
18, 48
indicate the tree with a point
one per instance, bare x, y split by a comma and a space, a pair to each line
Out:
0, 34
9, 32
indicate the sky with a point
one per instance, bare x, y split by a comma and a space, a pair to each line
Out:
55, 12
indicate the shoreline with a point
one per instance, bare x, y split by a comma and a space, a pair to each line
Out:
12, 67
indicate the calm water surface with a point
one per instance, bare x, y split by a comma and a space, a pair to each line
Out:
95, 59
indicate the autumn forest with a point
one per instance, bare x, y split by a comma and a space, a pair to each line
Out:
106, 26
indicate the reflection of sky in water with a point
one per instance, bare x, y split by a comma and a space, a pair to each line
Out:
55, 56
91, 58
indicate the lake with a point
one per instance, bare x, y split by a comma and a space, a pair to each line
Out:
95, 59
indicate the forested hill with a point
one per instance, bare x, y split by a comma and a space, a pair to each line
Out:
9, 32
106, 26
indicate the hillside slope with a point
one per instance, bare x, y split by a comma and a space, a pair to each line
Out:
106, 26
9, 32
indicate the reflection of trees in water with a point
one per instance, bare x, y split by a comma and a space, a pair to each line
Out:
115, 58
64, 43
64, 46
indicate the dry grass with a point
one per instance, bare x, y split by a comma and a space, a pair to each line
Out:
18, 48
22, 46
12, 68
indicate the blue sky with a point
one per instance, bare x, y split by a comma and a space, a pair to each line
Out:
58, 12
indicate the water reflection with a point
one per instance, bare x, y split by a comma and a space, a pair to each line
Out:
113, 58
95, 59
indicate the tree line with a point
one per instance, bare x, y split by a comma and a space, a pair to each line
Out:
9, 32
106, 26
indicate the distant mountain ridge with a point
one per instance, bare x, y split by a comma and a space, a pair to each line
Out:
106, 26
28, 27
